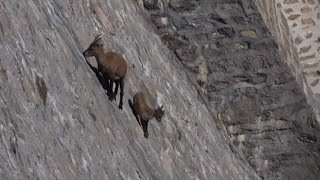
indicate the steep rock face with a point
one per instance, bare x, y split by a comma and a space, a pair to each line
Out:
232, 56
56, 121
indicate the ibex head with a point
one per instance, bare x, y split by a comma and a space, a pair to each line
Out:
94, 48
158, 113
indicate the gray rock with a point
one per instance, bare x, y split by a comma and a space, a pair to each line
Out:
183, 5
152, 4
161, 21
256, 96
56, 121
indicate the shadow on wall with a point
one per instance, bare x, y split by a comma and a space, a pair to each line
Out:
99, 76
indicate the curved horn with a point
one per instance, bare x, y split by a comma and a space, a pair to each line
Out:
98, 40
98, 37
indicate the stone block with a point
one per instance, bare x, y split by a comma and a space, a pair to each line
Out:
249, 33
294, 16
161, 21
306, 9
152, 4
307, 21
290, 1
183, 5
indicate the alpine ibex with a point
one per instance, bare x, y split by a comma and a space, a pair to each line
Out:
143, 112
111, 65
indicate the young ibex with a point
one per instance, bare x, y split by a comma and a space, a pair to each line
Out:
143, 112
111, 65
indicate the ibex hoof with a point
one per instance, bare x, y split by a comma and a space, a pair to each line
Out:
146, 135
120, 107
112, 97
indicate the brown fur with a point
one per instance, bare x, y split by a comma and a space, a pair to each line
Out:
143, 112
111, 65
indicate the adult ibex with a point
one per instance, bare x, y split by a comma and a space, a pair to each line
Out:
111, 65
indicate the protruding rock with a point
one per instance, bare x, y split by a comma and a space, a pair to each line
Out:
161, 21
153, 4
183, 5
249, 33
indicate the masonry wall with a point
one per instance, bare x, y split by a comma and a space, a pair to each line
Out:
56, 121
295, 24
228, 50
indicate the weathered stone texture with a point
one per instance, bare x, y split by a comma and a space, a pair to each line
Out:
56, 121
303, 31
255, 93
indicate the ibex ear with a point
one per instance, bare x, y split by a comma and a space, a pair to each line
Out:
161, 107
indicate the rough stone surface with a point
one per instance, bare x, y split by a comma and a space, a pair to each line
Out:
248, 82
295, 30
56, 121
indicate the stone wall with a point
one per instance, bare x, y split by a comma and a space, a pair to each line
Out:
296, 26
229, 52
212, 63
56, 121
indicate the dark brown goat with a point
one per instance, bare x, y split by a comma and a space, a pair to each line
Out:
143, 112
111, 65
